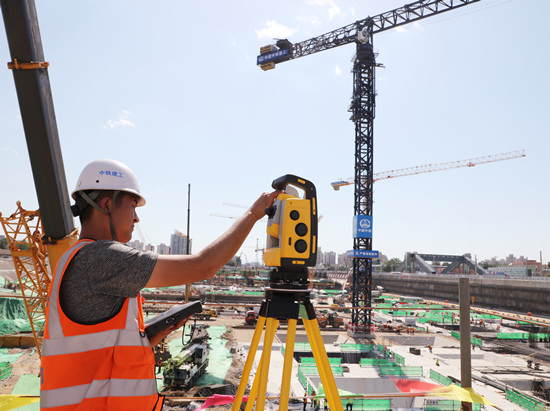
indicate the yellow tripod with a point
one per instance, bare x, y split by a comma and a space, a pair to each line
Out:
285, 303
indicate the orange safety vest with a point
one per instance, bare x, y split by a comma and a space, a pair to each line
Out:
105, 366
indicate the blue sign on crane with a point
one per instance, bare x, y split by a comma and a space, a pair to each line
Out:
363, 254
274, 55
362, 226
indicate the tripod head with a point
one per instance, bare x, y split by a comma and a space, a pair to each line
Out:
291, 245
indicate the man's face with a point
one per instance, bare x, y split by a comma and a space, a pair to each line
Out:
124, 216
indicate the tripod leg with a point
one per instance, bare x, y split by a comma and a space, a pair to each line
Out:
249, 362
321, 360
254, 390
287, 368
270, 328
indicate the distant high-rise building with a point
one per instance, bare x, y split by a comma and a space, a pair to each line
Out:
138, 245
330, 257
178, 243
163, 249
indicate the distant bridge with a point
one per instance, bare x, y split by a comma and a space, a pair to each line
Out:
416, 262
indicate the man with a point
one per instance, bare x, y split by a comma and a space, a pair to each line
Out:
96, 355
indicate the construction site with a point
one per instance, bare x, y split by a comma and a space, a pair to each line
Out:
410, 360
412, 340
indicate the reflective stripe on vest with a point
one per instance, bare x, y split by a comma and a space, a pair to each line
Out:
87, 365
97, 389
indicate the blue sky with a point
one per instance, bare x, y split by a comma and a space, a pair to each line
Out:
171, 88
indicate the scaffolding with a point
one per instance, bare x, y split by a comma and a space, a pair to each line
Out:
23, 231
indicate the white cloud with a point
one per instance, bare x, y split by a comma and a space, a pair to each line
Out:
275, 30
404, 29
9, 150
122, 121
338, 71
313, 20
333, 9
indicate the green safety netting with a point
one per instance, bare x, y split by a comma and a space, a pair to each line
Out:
473, 340
7, 360
434, 375
5, 370
311, 360
386, 362
523, 401
312, 370
410, 371
299, 347
398, 358
523, 336
357, 347
382, 305
257, 293
447, 405
438, 316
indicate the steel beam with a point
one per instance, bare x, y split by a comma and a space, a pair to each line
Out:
37, 111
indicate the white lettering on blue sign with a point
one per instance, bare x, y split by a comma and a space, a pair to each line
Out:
265, 58
363, 254
362, 226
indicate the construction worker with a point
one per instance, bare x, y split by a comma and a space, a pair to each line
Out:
96, 355
349, 404
305, 400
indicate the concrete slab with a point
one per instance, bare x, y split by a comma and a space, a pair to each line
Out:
488, 369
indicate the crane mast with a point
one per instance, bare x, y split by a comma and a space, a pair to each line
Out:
430, 168
363, 112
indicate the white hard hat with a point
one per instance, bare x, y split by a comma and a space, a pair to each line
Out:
103, 175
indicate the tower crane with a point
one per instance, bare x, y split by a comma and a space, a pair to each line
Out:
362, 107
430, 168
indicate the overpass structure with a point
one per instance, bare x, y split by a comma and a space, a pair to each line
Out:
415, 262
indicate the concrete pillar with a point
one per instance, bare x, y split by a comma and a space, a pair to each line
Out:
465, 350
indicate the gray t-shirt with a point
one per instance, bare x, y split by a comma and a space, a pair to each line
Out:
99, 278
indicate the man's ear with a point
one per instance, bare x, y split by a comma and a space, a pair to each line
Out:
105, 204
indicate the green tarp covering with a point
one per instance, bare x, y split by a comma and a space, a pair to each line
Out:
14, 316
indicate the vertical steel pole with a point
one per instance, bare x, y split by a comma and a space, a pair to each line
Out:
188, 245
465, 351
